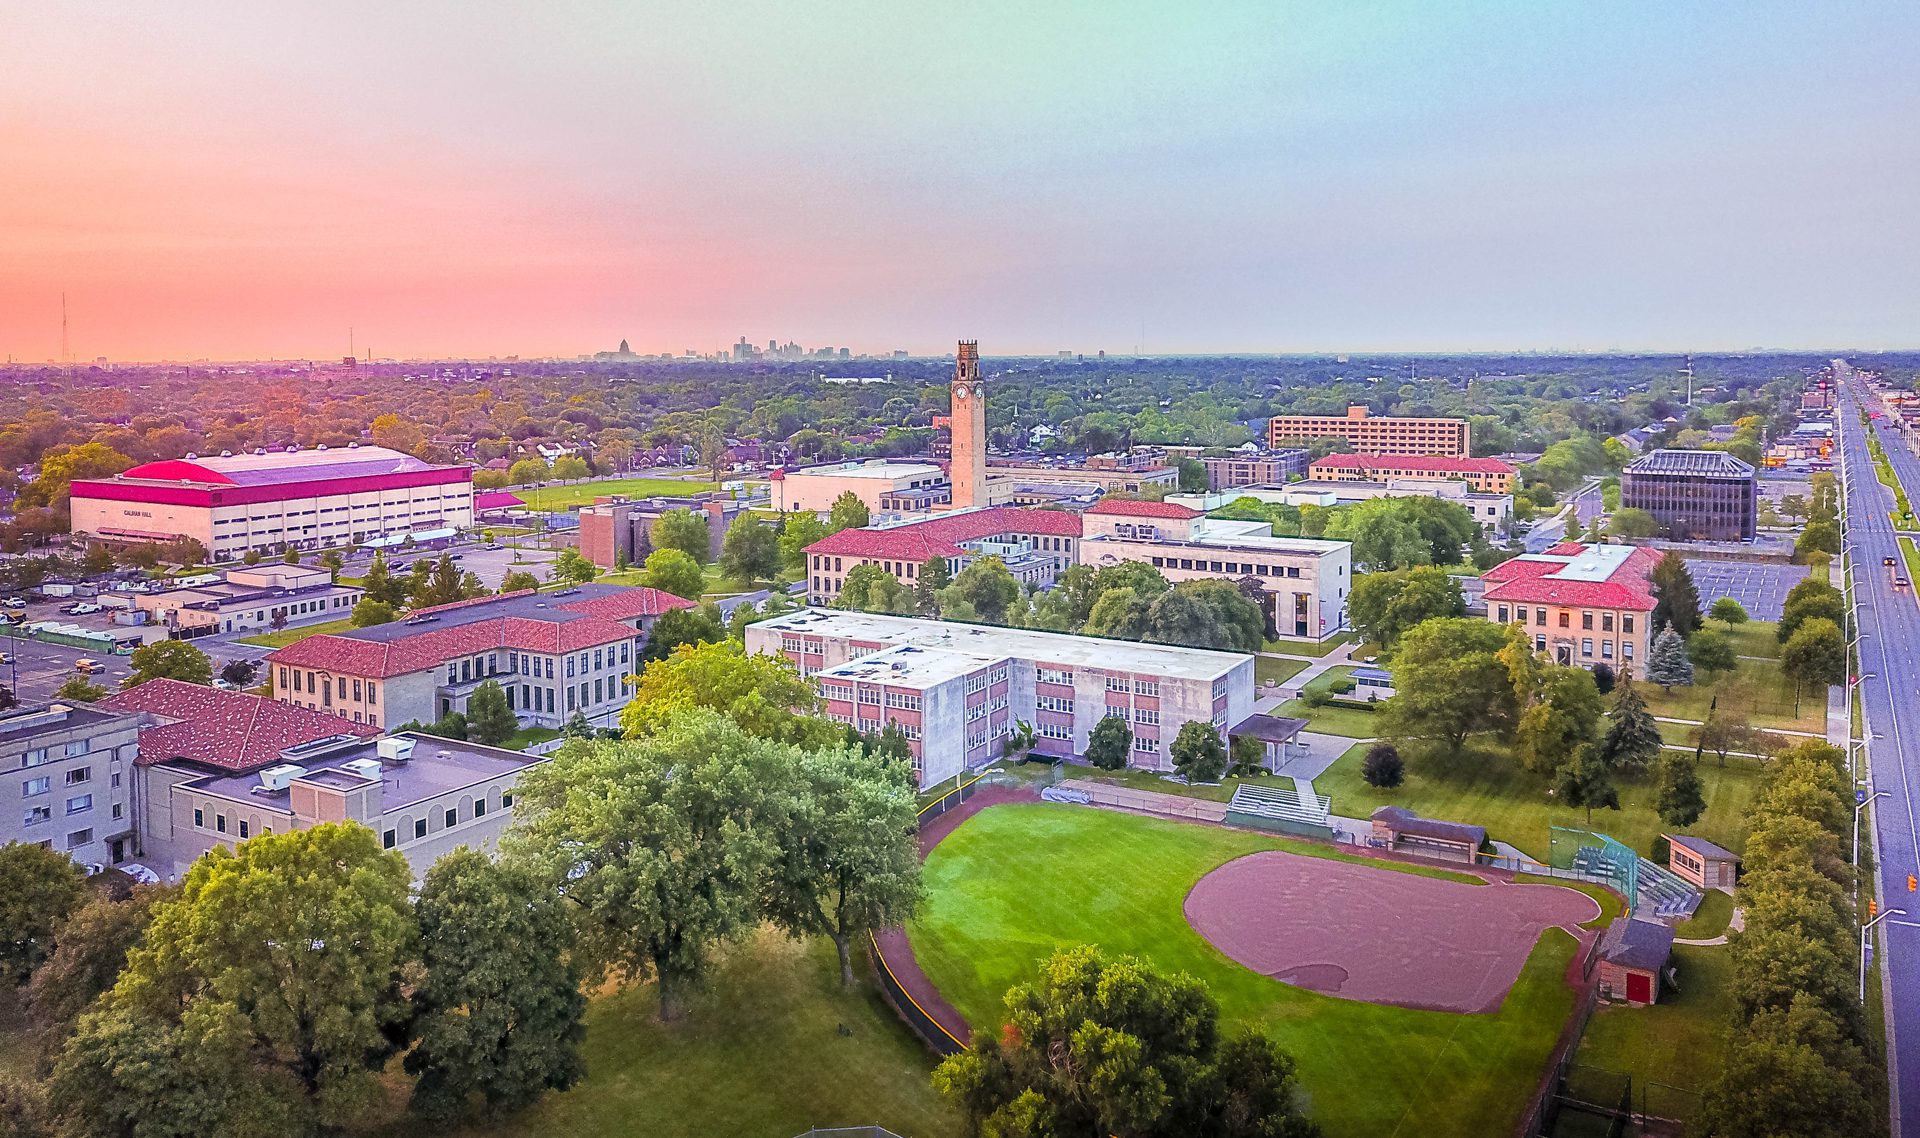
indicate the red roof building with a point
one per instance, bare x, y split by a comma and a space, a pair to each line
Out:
1485, 475
1035, 544
1583, 604
554, 654
1128, 508
232, 731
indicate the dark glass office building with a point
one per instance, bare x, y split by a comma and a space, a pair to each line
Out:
1694, 495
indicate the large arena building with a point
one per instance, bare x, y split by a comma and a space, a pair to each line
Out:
270, 499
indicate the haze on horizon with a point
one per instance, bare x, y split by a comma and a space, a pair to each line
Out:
205, 180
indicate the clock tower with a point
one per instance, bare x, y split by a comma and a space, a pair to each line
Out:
969, 425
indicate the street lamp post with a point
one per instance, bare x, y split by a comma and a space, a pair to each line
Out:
1861, 800
1864, 930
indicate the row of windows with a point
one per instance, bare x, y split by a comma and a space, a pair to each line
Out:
1138, 687
1055, 676
1243, 568
449, 818
1053, 703
1586, 647
78, 804
904, 701
319, 683
1054, 731
40, 755
1566, 619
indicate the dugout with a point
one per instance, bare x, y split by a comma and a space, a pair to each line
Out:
1700, 863
1397, 828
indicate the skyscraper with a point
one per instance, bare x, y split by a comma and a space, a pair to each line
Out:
969, 424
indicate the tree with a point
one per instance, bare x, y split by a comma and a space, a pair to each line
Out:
1110, 743
1562, 720
91, 951
1587, 781
677, 627
1824, 603
1632, 741
1676, 600
490, 717
379, 585
1246, 756
1197, 753
333, 562
660, 843
868, 587
765, 695
571, 468
396, 433
1667, 662
848, 512
572, 566
750, 552
283, 957
519, 581
1449, 682
1816, 537
368, 612
239, 673
1101, 1045
933, 576
1711, 651
986, 586
1726, 610
686, 531
1630, 523
498, 1010
42, 887
848, 859
291, 556
82, 689
1816, 655
168, 660
1206, 614
1792, 1071
529, 471
61, 465
1383, 768
1384, 605
1120, 613
673, 571
1726, 729
1681, 800
1603, 677
1018, 742
797, 531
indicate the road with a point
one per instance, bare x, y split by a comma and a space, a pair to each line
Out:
1889, 653
1586, 504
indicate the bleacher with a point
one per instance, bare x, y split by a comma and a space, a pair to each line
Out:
1664, 894
1280, 807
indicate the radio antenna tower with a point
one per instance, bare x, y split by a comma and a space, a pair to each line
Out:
1687, 370
66, 357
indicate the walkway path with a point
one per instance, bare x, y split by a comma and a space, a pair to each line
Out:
1734, 924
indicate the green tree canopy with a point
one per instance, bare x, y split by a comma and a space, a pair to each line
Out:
869, 588
1676, 600
1667, 661
1681, 800
686, 531
490, 718
1383, 605
42, 888
1110, 743
1449, 682
673, 571
1562, 720
677, 627
765, 695
750, 551
797, 531
1587, 782
986, 587
573, 566
1816, 654
368, 612
168, 660
1197, 753
1632, 742
848, 512
1726, 610
1711, 651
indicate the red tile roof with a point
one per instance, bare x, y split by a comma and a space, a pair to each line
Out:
235, 731
433, 647
941, 535
1416, 462
1533, 580
1126, 508
629, 604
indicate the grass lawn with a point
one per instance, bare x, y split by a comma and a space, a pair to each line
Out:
288, 636
1272, 669
551, 498
1309, 647
527, 736
1349, 721
1676, 1043
1754, 638
1710, 919
1016, 882
761, 1053
1486, 787
1911, 557
1772, 703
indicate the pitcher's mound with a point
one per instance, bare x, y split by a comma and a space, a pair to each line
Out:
1378, 935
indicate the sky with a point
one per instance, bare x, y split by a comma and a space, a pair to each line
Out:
211, 180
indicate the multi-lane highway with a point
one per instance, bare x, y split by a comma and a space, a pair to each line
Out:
1888, 621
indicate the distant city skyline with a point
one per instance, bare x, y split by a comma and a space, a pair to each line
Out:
1153, 178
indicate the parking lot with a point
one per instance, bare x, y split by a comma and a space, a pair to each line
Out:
1760, 587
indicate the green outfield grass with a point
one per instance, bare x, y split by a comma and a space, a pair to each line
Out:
762, 1052
1485, 786
1016, 882
1671, 1049
288, 636
554, 497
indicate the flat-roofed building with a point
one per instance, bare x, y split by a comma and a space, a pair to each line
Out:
1581, 604
1256, 469
1489, 510
880, 484
1035, 545
956, 689
71, 786
555, 653
250, 598
1693, 495
1484, 475
1367, 433
616, 532
269, 500
1306, 580
218, 768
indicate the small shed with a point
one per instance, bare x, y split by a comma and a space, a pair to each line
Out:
1633, 956
1370, 683
1397, 828
1701, 863
1275, 733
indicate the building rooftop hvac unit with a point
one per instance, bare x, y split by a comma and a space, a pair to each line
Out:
394, 749
276, 778
366, 768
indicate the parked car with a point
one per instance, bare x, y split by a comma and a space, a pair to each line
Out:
226, 685
139, 873
14, 603
88, 667
84, 608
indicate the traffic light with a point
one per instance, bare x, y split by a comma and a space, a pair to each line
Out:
1873, 907
1913, 883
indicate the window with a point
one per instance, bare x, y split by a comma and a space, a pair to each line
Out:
453, 817
1626, 625
1146, 744
220, 822
1118, 683
386, 840
373, 692
199, 818
1606, 622
479, 807
1566, 619
1055, 676
1606, 649
506, 799
1146, 687
34, 757
77, 748
78, 775
243, 827
1505, 615
79, 838
35, 786
419, 827
1053, 703
38, 814
80, 804
1146, 715
1540, 617
1626, 649
1586, 621
1586, 646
